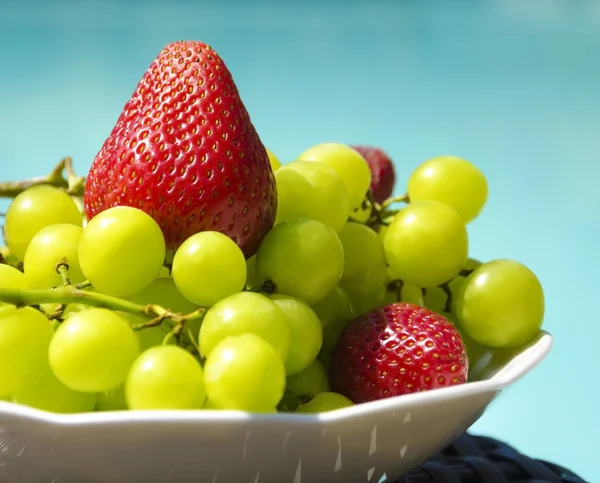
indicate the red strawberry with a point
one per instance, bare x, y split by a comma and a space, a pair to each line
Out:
185, 151
397, 349
383, 176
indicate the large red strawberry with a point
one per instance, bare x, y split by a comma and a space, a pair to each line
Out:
397, 349
185, 151
383, 175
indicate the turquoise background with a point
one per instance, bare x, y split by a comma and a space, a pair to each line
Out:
513, 85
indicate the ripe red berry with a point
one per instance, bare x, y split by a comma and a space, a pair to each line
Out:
383, 176
184, 150
394, 350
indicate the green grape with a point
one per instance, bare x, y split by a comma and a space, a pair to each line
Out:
121, 251
245, 312
426, 244
74, 308
398, 291
164, 272
36, 208
165, 377
311, 381
324, 402
295, 196
150, 336
49, 394
163, 291
252, 279
334, 312
209, 405
365, 298
50, 246
24, 339
382, 228
453, 181
501, 304
349, 164
364, 256
303, 258
11, 278
273, 160
306, 334
207, 267
244, 372
92, 350
436, 298
329, 197
362, 212
7, 256
111, 400
365, 267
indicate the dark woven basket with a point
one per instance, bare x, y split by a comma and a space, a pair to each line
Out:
477, 459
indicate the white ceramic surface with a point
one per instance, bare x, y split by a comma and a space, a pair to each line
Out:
359, 444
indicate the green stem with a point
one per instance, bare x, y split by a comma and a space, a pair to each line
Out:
394, 199
72, 183
69, 294
375, 208
62, 268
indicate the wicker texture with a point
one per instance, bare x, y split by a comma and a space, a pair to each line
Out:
477, 459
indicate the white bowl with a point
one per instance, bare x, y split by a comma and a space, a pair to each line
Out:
363, 443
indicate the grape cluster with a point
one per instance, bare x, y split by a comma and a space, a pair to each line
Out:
98, 315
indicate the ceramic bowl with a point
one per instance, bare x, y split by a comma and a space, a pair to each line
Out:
365, 443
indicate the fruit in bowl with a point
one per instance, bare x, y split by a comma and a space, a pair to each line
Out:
191, 271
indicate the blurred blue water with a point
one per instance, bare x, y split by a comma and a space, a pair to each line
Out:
513, 85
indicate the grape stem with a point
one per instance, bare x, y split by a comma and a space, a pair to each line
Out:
68, 294
62, 268
394, 199
396, 287
266, 287
72, 183
375, 209
448, 291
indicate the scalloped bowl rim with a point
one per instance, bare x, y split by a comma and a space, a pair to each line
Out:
519, 366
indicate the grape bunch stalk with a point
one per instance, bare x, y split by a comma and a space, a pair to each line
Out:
190, 269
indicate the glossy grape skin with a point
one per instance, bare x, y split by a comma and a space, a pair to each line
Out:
329, 198
245, 312
365, 267
426, 244
324, 402
165, 377
453, 181
303, 258
51, 245
501, 304
33, 209
273, 160
364, 256
311, 381
334, 312
208, 267
25, 336
306, 334
348, 163
49, 394
11, 278
92, 350
244, 372
121, 251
